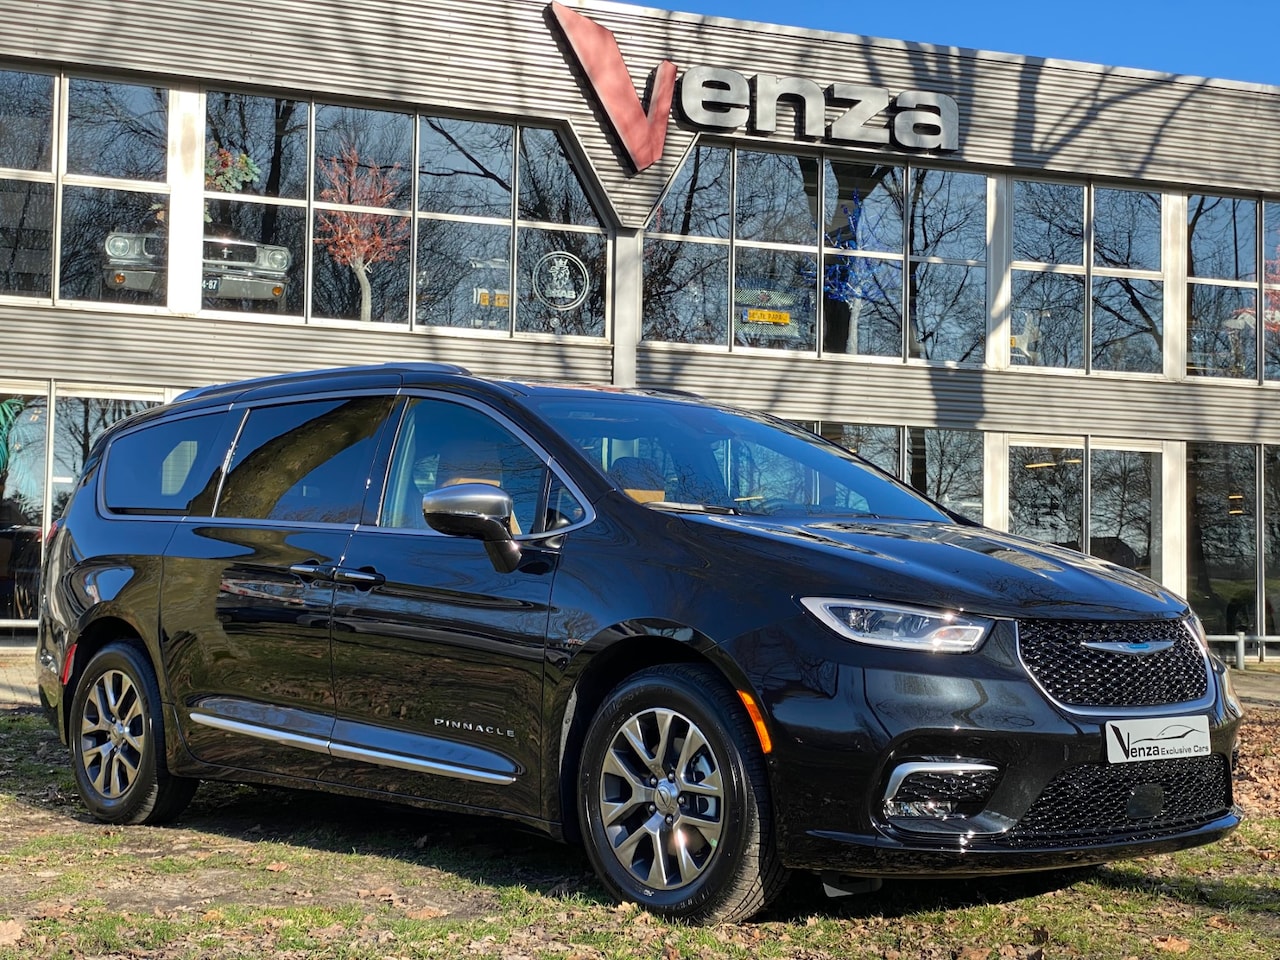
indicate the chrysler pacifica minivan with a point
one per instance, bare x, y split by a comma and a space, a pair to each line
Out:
705, 644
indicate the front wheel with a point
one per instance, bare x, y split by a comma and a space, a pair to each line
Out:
674, 802
117, 741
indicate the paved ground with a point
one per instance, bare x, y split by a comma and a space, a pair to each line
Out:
18, 681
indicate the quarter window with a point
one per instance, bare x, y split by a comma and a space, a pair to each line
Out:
166, 468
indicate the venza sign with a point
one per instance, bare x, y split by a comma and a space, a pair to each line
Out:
713, 98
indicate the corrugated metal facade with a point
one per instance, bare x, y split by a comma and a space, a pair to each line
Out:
503, 58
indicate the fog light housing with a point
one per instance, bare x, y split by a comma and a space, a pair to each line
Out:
939, 789
118, 279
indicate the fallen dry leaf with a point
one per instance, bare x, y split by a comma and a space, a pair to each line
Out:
426, 913
276, 867
1172, 944
10, 933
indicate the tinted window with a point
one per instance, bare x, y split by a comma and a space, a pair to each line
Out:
441, 444
167, 468
687, 456
307, 462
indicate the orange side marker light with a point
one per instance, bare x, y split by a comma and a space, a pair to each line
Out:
757, 720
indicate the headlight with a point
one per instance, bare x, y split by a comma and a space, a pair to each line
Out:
904, 628
119, 245
277, 258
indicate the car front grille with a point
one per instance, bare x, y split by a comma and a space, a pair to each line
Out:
224, 252
1094, 803
1076, 675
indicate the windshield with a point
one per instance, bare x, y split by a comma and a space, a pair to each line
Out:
671, 453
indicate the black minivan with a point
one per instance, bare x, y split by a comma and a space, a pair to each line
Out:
704, 643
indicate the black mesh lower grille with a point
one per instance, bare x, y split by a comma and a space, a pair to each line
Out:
951, 786
1094, 802
1077, 675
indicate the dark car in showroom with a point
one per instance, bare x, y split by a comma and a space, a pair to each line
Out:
707, 645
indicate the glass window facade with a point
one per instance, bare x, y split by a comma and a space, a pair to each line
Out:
1088, 287
1222, 555
819, 254
41, 457
311, 210
294, 210
1233, 269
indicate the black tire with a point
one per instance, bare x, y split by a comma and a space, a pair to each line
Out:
671, 765
116, 732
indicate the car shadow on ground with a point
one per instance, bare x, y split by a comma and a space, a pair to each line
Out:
494, 852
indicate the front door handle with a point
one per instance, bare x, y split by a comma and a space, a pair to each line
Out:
364, 579
312, 570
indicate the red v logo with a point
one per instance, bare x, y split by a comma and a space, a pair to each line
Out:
642, 135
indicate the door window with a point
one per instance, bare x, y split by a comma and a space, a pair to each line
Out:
304, 462
441, 444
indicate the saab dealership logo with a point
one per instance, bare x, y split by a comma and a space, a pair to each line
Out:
717, 99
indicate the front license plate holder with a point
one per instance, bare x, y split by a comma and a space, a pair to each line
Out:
1157, 738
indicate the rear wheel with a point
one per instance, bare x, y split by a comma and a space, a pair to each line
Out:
117, 741
674, 802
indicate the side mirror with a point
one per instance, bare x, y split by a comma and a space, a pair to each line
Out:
477, 510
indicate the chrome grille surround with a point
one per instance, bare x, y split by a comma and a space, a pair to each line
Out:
1116, 666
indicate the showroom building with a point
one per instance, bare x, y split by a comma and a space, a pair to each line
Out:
1046, 293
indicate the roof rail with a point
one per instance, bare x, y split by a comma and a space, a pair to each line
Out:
390, 366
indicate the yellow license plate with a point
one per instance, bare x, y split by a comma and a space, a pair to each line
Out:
768, 316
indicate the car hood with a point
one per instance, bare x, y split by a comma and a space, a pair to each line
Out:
949, 565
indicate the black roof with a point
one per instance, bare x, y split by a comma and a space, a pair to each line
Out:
407, 373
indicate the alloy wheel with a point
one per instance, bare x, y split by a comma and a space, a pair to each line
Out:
113, 731
662, 799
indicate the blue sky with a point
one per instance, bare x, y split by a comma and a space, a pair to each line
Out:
1229, 39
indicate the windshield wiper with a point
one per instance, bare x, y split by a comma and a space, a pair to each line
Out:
677, 507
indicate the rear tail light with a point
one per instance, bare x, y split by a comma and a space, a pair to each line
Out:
52, 531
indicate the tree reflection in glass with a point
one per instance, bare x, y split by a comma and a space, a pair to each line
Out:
1124, 508
774, 299
1271, 290
776, 198
1128, 324
26, 237
1221, 536
1047, 319
23, 422
117, 130
465, 167
686, 292
1222, 331
862, 306
947, 465
1046, 494
26, 117
133, 266
464, 274
560, 284
878, 444
1048, 222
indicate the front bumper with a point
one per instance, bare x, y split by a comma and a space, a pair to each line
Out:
1005, 780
